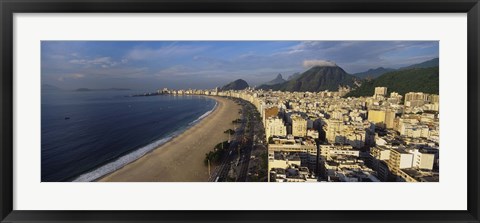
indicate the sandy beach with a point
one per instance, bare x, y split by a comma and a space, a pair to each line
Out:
181, 159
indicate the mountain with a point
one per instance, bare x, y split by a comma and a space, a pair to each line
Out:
373, 73
235, 85
317, 78
429, 63
278, 80
294, 76
402, 81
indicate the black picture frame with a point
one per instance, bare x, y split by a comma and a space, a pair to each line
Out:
9, 7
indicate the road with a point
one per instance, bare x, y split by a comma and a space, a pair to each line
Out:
247, 146
241, 145
220, 172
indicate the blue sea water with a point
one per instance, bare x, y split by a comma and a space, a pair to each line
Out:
106, 130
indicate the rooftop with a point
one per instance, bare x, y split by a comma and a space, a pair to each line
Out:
401, 151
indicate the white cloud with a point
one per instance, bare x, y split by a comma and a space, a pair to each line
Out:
163, 52
101, 60
77, 76
57, 57
323, 63
104, 62
176, 70
71, 76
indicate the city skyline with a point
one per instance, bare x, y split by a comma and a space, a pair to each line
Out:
325, 136
194, 111
147, 65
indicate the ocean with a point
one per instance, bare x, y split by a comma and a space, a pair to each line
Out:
86, 135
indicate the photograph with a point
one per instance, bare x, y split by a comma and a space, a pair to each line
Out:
191, 111
240, 111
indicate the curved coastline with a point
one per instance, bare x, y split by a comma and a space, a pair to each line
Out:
180, 159
120, 162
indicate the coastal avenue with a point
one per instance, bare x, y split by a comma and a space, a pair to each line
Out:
237, 158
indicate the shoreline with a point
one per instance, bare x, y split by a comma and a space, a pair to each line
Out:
87, 177
180, 159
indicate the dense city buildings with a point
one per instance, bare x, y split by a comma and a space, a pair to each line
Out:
324, 136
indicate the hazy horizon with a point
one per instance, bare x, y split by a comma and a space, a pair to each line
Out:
208, 64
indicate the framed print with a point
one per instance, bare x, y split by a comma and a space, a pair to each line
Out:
189, 111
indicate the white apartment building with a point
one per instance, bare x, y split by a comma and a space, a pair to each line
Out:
399, 159
299, 126
275, 127
422, 159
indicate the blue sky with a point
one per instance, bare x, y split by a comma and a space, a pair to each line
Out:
148, 65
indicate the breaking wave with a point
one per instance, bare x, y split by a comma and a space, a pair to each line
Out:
136, 154
204, 115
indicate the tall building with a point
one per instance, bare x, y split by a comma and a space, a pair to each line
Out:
399, 159
306, 150
417, 99
299, 126
269, 112
332, 129
389, 118
413, 128
275, 127
382, 118
423, 159
380, 152
380, 92
377, 117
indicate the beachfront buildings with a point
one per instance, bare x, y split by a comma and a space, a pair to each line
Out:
324, 136
275, 126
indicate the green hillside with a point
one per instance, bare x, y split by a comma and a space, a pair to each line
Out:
402, 81
429, 63
373, 73
235, 85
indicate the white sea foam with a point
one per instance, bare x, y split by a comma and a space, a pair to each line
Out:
130, 157
204, 115
120, 162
